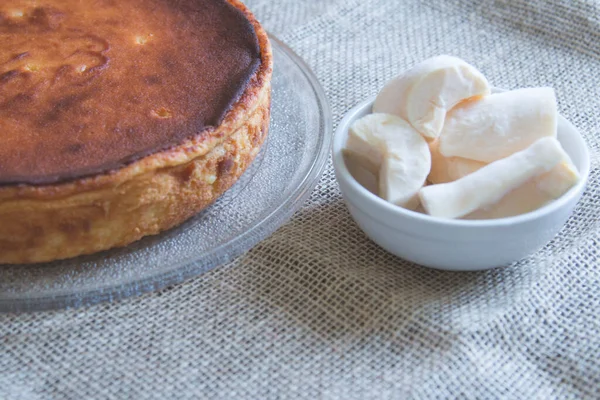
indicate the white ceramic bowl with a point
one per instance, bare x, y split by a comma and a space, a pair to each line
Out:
460, 245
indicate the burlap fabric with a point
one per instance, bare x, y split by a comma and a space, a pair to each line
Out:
317, 310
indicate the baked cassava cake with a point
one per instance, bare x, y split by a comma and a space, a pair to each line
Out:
122, 118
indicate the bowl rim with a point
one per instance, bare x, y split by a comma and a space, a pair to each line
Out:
342, 173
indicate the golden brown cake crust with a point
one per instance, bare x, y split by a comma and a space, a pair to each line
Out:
86, 88
155, 193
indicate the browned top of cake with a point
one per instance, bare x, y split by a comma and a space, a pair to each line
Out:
87, 87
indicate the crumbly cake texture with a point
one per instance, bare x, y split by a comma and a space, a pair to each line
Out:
40, 223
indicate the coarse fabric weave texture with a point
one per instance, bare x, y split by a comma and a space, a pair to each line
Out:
317, 310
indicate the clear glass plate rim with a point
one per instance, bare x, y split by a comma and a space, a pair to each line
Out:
191, 266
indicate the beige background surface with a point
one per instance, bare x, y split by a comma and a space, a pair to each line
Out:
318, 311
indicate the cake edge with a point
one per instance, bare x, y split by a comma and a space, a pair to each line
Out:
198, 145
88, 215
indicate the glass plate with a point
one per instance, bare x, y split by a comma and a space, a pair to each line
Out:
270, 191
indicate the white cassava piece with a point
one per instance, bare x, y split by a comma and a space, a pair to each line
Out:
389, 147
498, 125
489, 184
423, 94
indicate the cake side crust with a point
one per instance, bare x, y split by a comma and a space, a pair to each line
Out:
158, 200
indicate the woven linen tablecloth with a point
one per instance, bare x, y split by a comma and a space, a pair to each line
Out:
319, 311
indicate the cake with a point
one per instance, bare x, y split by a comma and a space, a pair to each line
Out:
122, 119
